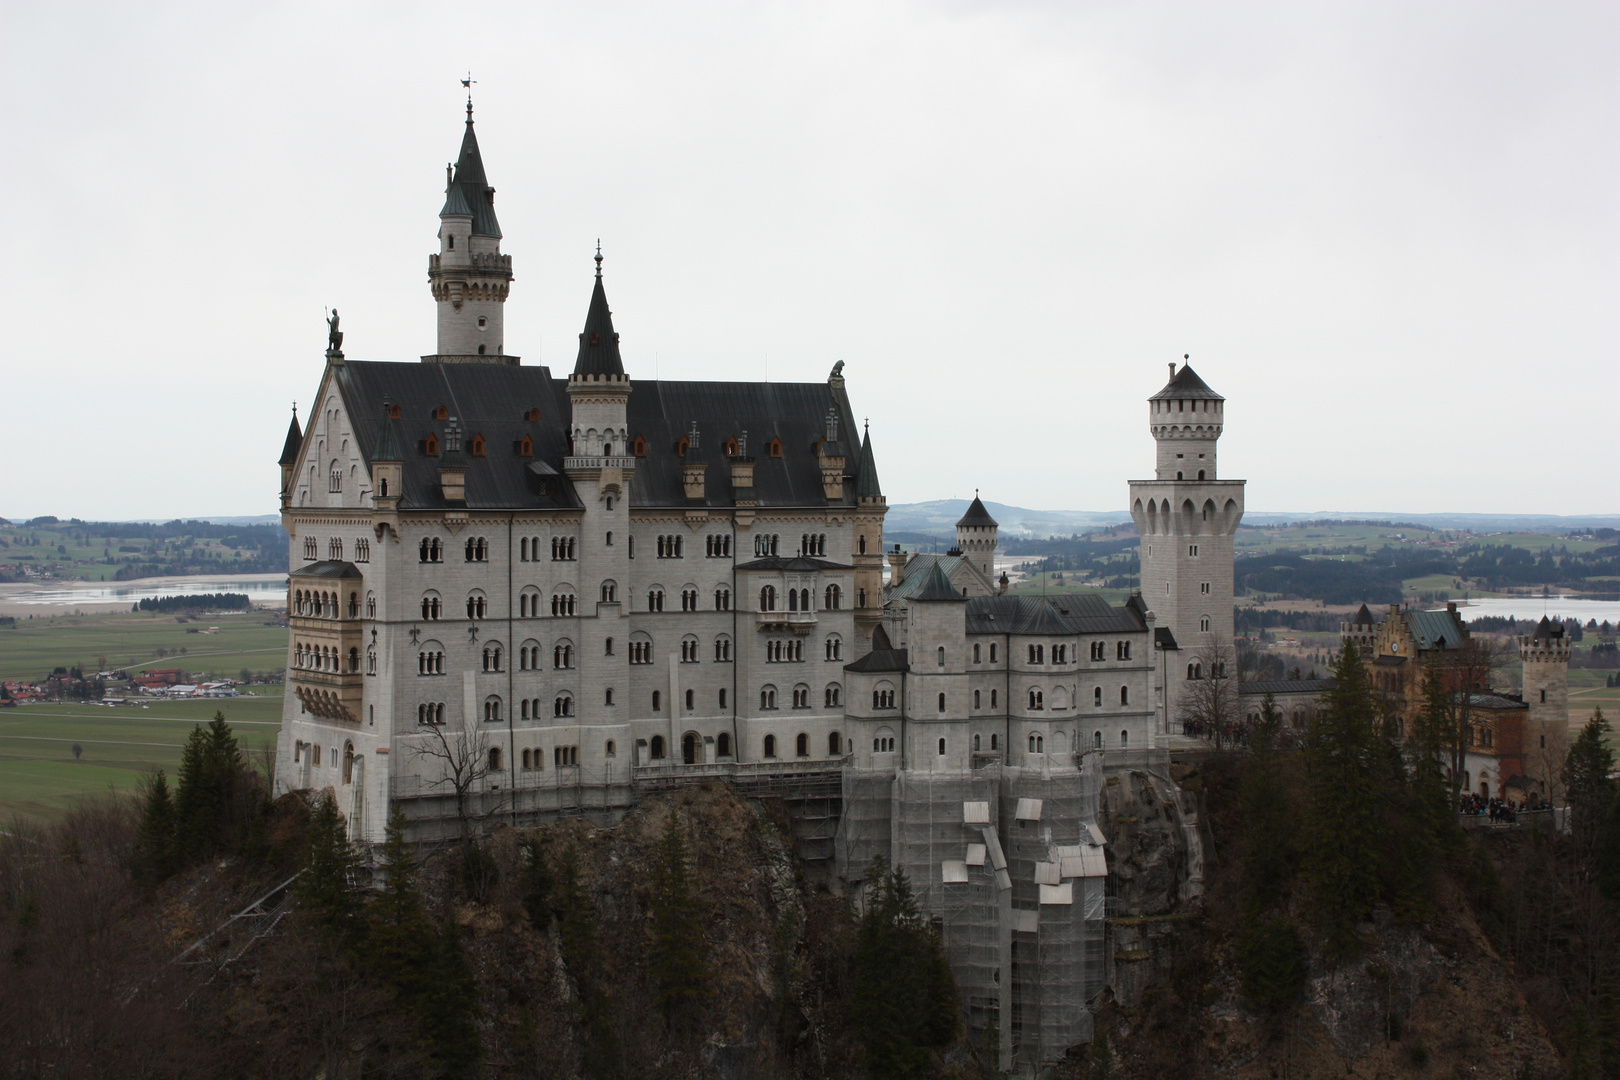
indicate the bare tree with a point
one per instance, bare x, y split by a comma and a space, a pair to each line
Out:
1210, 704
1464, 673
464, 758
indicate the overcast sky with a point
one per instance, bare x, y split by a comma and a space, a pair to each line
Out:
1387, 233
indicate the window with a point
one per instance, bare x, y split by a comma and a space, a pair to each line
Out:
430, 550
312, 550
775, 448
362, 550
565, 755
833, 696
835, 745
609, 541
563, 603
563, 706
801, 745
770, 746
767, 598
431, 713
476, 606
883, 697
722, 649
1122, 650
430, 661
607, 696
689, 650
334, 481
942, 703
689, 599
477, 444
655, 600
691, 702
430, 446
1098, 651
562, 655
1037, 743
801, 697
861, 545
641, 652
976, 699
942, 656
477, 549
492, 657
1096, 740
976, 656
860, 598
1203, 623
722, 698
766, 544
1060, 654
1192, 550
835, 647
767, 698
1124, 695
1125, 736
1096, 696
492, 710
607, 646
992, 652
717, 546
722, 744
1203, 587
430, 608
993, 742
942, 748
1195, 671
883, 744
1037, 700
833, 598
993, 696
657, 700
722, 599
1037, 654
639, 447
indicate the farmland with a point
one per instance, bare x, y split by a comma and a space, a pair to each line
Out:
132, 640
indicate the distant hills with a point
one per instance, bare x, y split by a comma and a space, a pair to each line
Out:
938, 519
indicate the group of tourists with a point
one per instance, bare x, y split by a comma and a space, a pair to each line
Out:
1500, 811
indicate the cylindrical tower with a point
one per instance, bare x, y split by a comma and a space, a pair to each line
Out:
469, 276
976, 538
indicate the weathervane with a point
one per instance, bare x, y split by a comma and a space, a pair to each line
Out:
467, 84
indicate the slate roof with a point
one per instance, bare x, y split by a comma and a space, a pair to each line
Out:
295, 441
792, 563
881, 660
1437, 629
977, 516
915, 572
598, 344
1285, 686
1363, 617
469, 192
328, 568
493, 400
1186, 384
1164, 639
1074, 613
389, 447
1496, 701
936, 586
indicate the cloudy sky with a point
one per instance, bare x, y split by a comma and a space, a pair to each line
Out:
1386, 232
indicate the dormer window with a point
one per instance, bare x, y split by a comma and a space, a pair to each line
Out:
532, 415
594, 338
526, 446
393, 412
639, 447
776, 448
683, 446
731, 448
477, 446
430, 446
441, 413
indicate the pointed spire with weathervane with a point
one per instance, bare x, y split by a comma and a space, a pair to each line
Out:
867, 488
598, 343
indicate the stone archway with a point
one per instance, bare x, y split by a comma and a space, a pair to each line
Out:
692, 748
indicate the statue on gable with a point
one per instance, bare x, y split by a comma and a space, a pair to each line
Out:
334, 336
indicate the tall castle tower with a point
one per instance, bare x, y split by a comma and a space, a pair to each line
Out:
976, 537
1187, 516
469, 276
1545, 654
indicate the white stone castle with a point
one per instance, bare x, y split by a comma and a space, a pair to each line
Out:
516, 596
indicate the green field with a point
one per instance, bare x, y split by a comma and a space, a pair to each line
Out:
39, 777
147, 640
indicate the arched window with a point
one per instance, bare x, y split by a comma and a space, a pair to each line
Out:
835, 745
1036, 700
801, 745
976, 699
722, 744
563, 705
655, 749
1125, 736
833, 696
1096, 696
1124, 695
833, 598
976, 652
767, 598
770, 746
767, 697
492, 710
494, 759
793, 600
348, 762
691, 701
610, 592
1096, 740
942, 703
562, 655
656, 700
942, 656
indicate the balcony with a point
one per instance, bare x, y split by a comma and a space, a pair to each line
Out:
599, 461
799, 622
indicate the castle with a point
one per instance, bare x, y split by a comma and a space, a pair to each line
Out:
516, 596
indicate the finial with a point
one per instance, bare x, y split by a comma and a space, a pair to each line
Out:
467, 83
599, 258
295, 410
449, 177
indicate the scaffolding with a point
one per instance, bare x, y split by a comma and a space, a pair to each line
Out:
1009, 864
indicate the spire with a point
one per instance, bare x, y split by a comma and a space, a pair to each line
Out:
1185, 384
866, 477
295, 440
598, 344
388, 444
469, 193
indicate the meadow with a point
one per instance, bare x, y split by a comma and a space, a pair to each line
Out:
130, 640
40, 778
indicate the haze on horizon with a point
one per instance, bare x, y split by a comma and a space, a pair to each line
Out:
1386, 233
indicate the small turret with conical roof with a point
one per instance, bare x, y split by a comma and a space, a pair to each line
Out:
1186, 418
387, 462
289, 457
599, 390
469, 276
868, 492
977, 537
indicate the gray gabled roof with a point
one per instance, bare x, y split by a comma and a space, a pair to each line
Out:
469, 193
494, 400
1363, 617
1074, 613
1285, 686
598, 344
792, 563
1186, 384
1437, 629
295, 440
977, 516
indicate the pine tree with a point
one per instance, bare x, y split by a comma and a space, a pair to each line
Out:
1586, 781
154, 838
1345, 825
676, 956
194, 810
904, 999
1608, 853
327, 892
1268, 817
1272, 961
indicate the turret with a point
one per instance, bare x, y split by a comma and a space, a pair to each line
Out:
599, 390
976, 537
1545, 654
289, 458
1186, 419
470, 278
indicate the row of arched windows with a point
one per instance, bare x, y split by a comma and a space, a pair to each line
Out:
801, 745
321, 604
325, 658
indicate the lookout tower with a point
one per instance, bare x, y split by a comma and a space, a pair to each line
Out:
469, 276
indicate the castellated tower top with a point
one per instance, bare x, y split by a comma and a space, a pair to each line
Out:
1186, 419
1549, 644
976, 536
469, 276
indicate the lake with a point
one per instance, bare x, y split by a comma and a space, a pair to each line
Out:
1534, 607
261, 588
